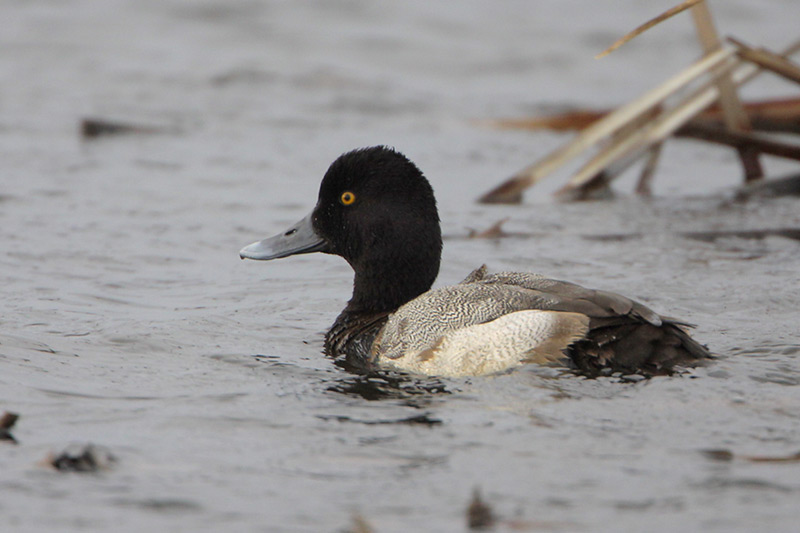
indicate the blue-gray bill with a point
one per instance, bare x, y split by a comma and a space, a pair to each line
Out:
298, 239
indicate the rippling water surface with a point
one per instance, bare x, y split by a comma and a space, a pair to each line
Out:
129, 322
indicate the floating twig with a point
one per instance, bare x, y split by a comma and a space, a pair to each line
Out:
792, 458
727, 455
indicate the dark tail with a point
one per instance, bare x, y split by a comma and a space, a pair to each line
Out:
628, 346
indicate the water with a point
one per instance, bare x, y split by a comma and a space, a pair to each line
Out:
129, 322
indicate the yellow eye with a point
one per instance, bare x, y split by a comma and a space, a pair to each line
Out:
347, 198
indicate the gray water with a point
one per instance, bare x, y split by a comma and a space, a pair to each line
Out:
128, 320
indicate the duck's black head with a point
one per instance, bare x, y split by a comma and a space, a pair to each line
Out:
377, 210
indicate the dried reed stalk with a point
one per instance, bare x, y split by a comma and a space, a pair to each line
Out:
781, 114
647, 25
732, 111
737, 139
768, 60
511, 190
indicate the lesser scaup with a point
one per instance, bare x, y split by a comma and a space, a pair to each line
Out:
377, 211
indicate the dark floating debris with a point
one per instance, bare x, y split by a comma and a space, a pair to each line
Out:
613, 237
727, 455
725, 483
6, 423
718, 455
494, 232
242, 76
710, 236
170, 505
82, 458
359, 525
479, 514
92, 128
706, 236
423, 419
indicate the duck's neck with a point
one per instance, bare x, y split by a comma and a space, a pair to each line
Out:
377, 293
382, 287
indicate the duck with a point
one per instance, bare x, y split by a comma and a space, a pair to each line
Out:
377, 210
